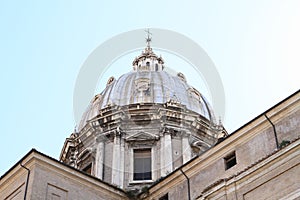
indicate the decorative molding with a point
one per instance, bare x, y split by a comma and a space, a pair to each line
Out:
142, 136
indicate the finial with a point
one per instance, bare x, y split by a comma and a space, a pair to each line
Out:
75, 131
220, 121
148, 39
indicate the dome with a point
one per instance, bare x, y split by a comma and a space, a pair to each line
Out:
142, 126
148, 83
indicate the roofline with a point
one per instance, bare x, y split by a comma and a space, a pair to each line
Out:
18, 163
162, 178
263, 113
170, 174
252, 165
58, 162
237, 130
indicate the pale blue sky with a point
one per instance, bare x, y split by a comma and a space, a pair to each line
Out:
255, 46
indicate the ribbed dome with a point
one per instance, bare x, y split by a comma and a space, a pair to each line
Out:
148, 83
148, 87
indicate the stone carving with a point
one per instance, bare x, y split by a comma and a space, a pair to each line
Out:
110, 80
142, 136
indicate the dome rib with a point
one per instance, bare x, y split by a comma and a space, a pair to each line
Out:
148, 87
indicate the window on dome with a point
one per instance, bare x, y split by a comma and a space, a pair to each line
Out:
230, 160
142, 164
148, 64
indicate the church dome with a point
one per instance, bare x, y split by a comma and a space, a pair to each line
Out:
142, 126
148, 83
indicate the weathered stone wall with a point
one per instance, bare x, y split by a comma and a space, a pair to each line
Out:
14, 187
253, 144
276, 177
50, 179
288, 128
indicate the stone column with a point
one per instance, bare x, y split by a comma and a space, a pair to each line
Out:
122, 163
154, 170
167, 165
116, 161
186, 149
162, 156
99, 160
168, 153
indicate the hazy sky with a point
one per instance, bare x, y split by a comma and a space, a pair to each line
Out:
255, 46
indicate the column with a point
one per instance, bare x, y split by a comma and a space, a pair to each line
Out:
186, 149
162, 156
116, 161
99, 160
122, 162
166, 155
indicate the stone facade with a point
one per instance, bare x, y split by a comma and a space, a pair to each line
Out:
110, 150
50, 179
150, 135
260, 164
144, 110
262, 170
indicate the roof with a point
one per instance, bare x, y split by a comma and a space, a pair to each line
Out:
175, 171
233, 133
148, 83
32, 151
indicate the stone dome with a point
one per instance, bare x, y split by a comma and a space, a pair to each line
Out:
142, 126
148, 83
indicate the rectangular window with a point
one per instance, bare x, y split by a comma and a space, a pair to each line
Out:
142, 164
230, 160
165, 197
88, 169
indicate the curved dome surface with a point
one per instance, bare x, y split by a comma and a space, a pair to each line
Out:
148, 87
148, 83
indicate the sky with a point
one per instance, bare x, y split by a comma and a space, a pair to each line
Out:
254, 45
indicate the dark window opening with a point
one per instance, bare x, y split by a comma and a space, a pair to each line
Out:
156, 67
142, 164
165, 197
88, 169
147, 64
230, 161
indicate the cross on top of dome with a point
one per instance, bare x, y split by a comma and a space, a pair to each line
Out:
148, 39
148, 60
